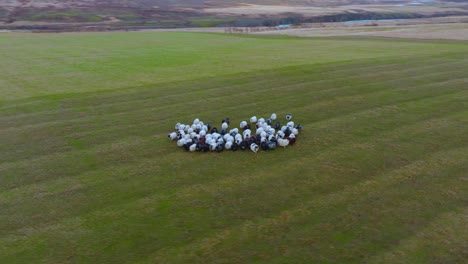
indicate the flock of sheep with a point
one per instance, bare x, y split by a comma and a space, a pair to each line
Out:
268, 134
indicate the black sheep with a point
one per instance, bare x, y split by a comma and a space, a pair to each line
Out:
234, 146
277, 125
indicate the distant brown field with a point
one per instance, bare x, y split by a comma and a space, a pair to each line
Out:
455, 28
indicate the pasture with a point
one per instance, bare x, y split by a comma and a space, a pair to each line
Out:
87, 174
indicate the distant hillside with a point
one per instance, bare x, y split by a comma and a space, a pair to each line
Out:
73, 15
179, 3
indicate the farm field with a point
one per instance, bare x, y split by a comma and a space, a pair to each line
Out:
454, 31
87, 174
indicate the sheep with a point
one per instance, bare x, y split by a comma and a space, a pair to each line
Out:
253, 119
226, 120
277, 125
193, 147
292, 139
228, 145
234, 146
172, 136
242, 124
280, 134
243, 145
247, 133
283, 142
295, 131
187, 145
259, 130
180, 142
271, 145
213, 146
192, 135
200, 136
203, 147
254, 147
234, 131
220, 147
270, 137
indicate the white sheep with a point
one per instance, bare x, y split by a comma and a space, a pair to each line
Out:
253, 119
243, 124
228, 145
180, 142
260, 130
295, 131
192, 135
172, 136
283, 142
273, 117
193, 147
213, 146
254, 147
288, 117
234, 130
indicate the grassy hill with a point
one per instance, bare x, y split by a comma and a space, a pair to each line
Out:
87, 173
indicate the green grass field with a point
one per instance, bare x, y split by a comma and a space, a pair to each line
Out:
87, 174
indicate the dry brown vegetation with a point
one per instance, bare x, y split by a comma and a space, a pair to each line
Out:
434, 28
94, 15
